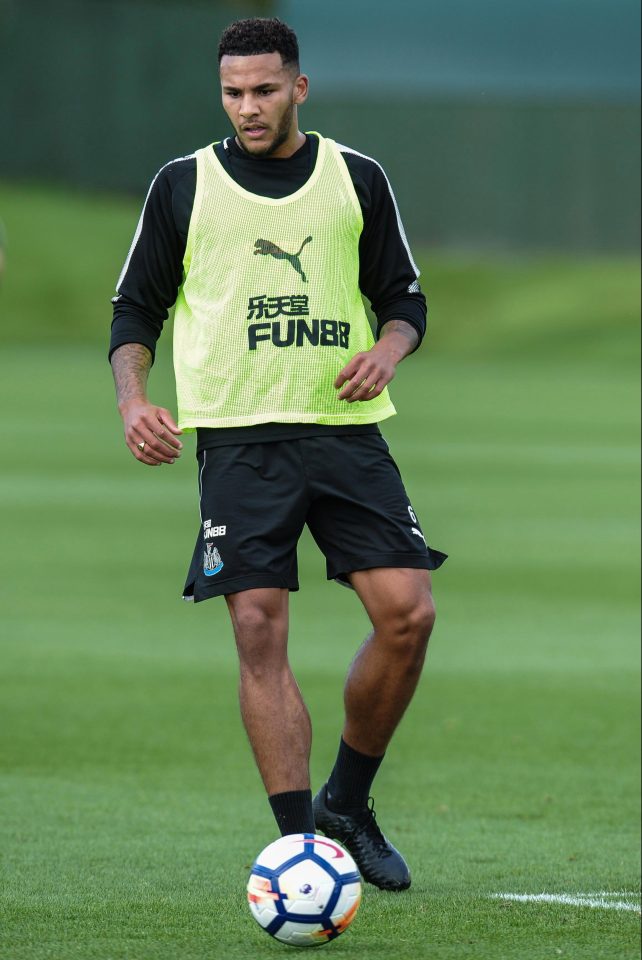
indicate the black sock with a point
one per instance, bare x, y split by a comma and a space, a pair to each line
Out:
293, 811
351, 779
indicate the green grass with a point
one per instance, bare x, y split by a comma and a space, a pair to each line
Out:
131, 809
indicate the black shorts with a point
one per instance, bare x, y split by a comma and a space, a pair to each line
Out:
255, 499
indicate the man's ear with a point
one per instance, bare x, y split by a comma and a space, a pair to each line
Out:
301, 89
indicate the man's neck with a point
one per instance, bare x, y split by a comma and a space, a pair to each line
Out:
299, 142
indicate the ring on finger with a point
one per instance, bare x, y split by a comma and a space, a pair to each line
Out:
141, 445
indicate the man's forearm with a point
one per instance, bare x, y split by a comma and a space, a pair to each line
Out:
401, 336
131, 364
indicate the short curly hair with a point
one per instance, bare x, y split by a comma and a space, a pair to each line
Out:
246, 38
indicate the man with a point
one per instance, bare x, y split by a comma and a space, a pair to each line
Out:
266, 241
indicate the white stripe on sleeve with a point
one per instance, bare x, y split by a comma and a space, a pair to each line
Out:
139, 227
402, 232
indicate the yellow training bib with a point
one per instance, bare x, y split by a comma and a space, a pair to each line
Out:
270, 310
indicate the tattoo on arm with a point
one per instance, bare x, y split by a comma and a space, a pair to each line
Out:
405, 329
131, 364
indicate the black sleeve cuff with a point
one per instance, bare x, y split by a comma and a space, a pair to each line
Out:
132, 328
410, 309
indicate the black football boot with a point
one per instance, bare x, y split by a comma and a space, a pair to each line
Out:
378, 861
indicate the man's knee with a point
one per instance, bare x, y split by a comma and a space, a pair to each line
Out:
260, 628
420, 618
407, 627
398, 601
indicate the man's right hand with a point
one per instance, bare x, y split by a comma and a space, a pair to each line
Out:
150, 432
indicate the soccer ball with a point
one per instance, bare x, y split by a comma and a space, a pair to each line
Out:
304, 890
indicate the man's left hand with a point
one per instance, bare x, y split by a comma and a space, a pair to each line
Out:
366, 375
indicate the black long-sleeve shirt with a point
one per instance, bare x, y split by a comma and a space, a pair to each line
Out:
153, 272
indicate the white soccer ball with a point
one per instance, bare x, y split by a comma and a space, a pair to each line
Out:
304, 890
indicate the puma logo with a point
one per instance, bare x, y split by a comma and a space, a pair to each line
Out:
266, 247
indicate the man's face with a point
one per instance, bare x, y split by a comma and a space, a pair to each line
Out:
260, 97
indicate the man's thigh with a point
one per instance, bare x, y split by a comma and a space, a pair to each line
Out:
392, 595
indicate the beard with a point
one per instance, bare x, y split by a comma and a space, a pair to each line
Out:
281, 135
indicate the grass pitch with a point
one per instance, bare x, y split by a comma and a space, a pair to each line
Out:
131, 810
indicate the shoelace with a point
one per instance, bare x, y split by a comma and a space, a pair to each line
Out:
367, 823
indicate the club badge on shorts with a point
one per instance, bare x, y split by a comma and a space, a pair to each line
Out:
212, 562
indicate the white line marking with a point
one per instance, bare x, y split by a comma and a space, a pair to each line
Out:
614, 893
574, 900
